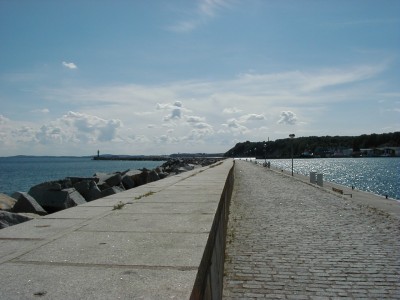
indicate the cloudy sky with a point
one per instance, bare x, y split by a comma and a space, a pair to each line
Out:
161, 77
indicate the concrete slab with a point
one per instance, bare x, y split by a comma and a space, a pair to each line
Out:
93, 282
78, 212
123, 248
9, 246
148, 207
126, 196
173, 196
39, 228
134, 222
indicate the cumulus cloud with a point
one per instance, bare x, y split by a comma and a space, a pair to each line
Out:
50, 133
175, 110
92, 127
200, 127
3, 119
194, 119
234, 126
70, 130
287, 118
69, 65
251, 117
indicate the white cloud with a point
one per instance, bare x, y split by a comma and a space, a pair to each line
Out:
287, 118
194, 119
210, 7
69, 65
205, 11
251, 117
175, 110
91, 128
3, 119
72, 130
210, 113
234, 126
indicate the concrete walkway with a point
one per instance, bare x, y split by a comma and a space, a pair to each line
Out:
291, 240
144, 243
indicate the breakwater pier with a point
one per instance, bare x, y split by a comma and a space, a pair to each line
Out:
285, 239
289, 239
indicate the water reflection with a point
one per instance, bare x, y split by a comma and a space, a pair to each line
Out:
377, 175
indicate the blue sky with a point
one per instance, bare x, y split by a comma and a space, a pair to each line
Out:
161, 77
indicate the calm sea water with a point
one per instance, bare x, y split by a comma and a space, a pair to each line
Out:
21, 173
378, 175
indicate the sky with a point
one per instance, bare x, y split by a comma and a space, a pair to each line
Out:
160, 77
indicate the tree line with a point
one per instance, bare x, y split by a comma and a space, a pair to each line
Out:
319, 146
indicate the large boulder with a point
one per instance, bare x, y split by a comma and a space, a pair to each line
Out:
128, 182
112, 179
26, 204
88, 189
54, 200
6, 202
111, 191
75, 180
9, 219
73, 198
152, 176
140, 178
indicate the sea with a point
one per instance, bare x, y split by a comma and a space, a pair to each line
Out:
20, 173
377, 175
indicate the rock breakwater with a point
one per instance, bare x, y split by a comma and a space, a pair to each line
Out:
52, 196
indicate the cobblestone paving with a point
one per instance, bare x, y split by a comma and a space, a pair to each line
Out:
289, 240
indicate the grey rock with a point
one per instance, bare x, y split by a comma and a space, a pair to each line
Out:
88, 189
141, 178
75, 180
53, 201
74, 198
112, 179
94, 192
111, 191
9, 219
6, 202
128, 182
152, 176
27, 204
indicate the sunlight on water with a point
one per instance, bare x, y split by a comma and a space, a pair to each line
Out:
376, 175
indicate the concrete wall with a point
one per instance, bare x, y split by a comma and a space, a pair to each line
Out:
209, 279
162, 240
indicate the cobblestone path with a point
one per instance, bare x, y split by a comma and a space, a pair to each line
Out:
290, 240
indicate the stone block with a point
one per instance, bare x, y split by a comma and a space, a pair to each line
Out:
111, 191
74, 198
9, 219
153, 176
27, 204
6, 202
53, 201
88, 189
111, 180
128, 182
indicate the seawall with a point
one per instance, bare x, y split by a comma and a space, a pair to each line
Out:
162, 240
